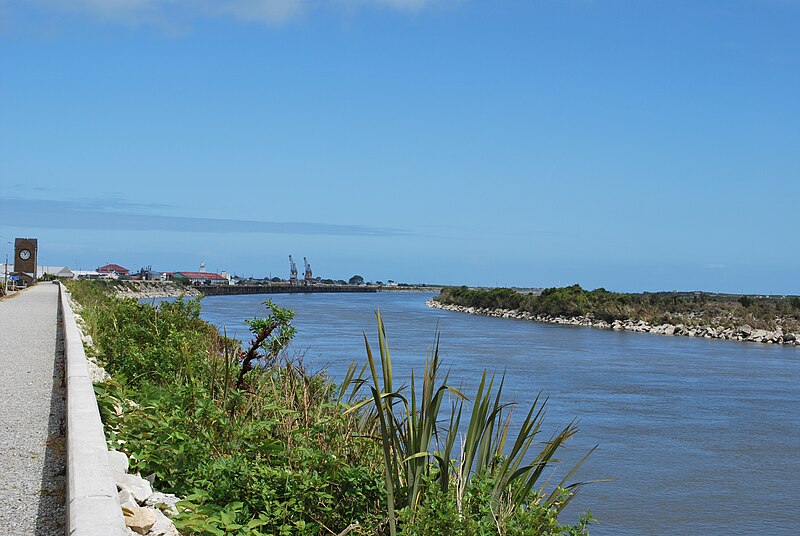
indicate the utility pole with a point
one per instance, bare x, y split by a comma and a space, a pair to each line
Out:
5, 267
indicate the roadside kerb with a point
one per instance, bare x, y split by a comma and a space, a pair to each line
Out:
92, 501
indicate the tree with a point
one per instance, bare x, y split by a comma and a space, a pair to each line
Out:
270, 335
356, 280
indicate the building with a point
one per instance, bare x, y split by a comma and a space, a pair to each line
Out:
114, 270
61, 272
58, 271
200, 278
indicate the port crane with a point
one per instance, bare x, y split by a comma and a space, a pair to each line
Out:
292, 272
308, 279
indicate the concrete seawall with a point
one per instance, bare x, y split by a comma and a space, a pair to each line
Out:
232, 290
92, 501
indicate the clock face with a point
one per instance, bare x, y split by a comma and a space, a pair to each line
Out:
24, 254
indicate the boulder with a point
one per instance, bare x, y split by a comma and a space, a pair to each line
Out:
163, 526
139, 520
163, 501
669, 329
789, 337
745, 330
774, 336
138, 487
126, 500
118, 463
759, 335
97, 373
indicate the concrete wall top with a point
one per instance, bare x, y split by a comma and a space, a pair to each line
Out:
92, 501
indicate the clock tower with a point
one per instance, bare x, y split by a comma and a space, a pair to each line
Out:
25, 253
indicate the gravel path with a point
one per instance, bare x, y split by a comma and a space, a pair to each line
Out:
32, 443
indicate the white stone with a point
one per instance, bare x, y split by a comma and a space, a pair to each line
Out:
97, 373
118, 463
137, 486
139, 520
759, 335
746, 330
163, 526
126, 500
164, 501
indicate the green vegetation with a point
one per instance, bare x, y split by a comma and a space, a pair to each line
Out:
259, 446
690, 309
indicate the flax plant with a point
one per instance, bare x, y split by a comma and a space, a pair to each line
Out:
419, 451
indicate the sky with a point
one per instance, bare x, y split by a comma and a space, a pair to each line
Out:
631, 145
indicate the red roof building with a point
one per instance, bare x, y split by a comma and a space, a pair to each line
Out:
113, 269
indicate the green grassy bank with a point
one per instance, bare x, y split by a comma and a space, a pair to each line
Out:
691, 309
259, 446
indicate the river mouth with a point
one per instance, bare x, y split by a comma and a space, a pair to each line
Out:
699, 436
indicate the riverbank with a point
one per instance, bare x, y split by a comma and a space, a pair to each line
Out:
742, 333
152, 289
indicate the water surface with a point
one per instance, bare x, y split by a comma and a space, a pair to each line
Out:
700, 436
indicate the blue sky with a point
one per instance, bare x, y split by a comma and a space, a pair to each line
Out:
635, 145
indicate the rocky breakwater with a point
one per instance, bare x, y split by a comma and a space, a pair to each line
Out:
740, 333
154, 289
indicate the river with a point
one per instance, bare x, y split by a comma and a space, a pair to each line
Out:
699, 436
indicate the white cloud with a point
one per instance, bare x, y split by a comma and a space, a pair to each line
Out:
172, 12
263, 11
405, 5
113, 10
